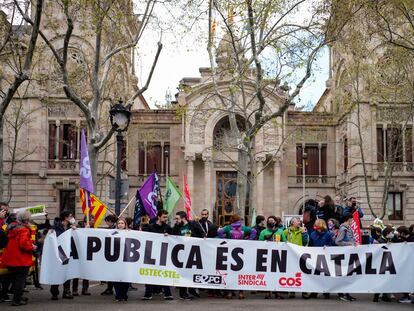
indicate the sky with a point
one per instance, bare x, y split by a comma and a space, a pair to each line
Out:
184, 56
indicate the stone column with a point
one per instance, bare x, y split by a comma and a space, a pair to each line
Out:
190, 178
260, 185
276, 187
207, 184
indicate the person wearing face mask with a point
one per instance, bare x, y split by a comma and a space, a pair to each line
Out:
351, 207
272, 231
260, 225
66, 221
333, 228
386, 237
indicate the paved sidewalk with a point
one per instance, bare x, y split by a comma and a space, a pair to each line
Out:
40, 300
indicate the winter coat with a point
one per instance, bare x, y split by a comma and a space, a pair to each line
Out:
345, 236
323, 238
296, 236
270, 235
18, 252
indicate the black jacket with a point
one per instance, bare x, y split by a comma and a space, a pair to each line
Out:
196, 231
155, 228
205, 227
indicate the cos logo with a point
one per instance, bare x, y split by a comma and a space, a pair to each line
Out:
291, 282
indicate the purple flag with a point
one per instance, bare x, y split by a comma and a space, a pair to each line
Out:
85, 168
148, 196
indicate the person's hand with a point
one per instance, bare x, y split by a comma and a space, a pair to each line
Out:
87, 225
34, 247
3, 214
166, 234
73, 227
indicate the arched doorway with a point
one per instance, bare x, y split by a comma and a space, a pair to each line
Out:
225, 143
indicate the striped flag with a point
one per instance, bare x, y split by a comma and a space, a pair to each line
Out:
89, 202
96, 208
187, 199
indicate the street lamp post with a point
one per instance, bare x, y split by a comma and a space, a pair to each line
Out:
120, 117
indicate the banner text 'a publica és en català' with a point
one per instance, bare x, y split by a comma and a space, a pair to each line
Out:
148, 258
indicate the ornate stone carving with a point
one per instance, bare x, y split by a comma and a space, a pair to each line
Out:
153, 134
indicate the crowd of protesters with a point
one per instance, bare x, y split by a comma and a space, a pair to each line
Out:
324, 223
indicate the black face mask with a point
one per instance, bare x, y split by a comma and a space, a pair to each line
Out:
204, 219
353, 204
181, 223
271, 225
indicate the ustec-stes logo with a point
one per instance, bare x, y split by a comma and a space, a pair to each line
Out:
291, 282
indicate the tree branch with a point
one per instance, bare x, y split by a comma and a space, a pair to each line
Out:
145, 87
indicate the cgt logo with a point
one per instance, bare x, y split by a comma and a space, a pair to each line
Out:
291, 282
208, 279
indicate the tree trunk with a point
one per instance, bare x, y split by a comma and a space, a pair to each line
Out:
93, 161
241, 194
1, 158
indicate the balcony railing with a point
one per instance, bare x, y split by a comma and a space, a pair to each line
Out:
398, 167
313, 180
63, 165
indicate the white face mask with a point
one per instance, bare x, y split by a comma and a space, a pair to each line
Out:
72, 221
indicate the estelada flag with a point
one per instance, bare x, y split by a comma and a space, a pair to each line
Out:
96, 208
187, 199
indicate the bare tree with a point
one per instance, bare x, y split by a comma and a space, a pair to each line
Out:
116, 32
258, 70
17, 60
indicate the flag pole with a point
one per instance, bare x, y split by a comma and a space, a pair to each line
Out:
87, 208
129, 203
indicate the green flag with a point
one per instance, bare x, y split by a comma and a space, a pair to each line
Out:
172, 195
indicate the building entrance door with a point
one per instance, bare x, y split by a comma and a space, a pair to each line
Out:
226, 188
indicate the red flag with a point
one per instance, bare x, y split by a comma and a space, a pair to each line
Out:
356, 228
187, 199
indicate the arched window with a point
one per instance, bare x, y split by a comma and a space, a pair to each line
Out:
223, 137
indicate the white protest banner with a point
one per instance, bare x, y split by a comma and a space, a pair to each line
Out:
36, 211
148, 258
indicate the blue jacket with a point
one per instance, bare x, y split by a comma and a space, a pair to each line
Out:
348, 211
321, 238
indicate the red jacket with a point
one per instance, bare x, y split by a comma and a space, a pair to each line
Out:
18, 252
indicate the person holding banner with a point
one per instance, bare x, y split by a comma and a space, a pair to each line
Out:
272, 232
160, 226
345, 237
189, 228
66, 222
121, 288
236, 231
18, 255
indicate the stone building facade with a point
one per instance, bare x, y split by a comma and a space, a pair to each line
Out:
181, 141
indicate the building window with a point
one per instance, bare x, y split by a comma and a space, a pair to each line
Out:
63, 141
315, 162
394, 144
67, 201
153, 156
395, 206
